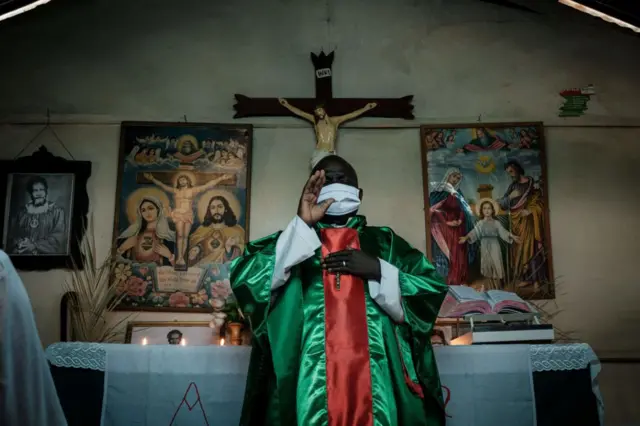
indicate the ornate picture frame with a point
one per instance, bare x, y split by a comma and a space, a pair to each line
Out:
182, 213
44, 211
192, 333
487, 206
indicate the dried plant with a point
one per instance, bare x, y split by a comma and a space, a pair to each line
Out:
547, 308
96, 292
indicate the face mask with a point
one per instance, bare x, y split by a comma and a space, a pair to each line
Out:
346, 198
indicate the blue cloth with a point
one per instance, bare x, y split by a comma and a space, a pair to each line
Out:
174, 385
27, 393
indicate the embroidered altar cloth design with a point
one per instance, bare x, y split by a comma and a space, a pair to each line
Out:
193, 388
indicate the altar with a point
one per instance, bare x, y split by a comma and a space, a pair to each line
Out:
113, 384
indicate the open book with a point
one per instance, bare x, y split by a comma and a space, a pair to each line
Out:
462, 300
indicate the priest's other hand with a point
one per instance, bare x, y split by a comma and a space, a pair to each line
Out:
353, 262
308, 209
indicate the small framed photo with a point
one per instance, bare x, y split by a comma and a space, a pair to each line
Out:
442, 335
44, 214
195, 333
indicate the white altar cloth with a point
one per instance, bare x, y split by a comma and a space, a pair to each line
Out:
487, 385
174, 385
145, 385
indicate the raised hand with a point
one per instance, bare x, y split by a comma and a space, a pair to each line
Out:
308, 209
353, 262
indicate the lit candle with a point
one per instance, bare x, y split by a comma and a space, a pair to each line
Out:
144, 340
222, 341
183, 342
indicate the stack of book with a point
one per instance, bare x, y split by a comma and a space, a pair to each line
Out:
495, 333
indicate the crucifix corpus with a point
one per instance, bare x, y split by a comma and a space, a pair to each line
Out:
325, 112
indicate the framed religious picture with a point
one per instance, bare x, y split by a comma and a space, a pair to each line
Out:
487, 208
44, 213
182, 214
195, 333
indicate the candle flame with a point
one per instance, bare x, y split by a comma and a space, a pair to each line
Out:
144, 341
222, 342
183, 342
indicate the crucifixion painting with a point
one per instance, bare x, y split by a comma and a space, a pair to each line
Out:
324, 112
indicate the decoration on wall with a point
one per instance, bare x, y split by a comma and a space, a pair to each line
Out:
187, 333
182, 213
324, 111
44, 215
576, 101
487, 207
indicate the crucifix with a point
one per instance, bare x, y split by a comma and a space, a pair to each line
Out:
325, 112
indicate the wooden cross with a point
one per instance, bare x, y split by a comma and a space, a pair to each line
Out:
271, 107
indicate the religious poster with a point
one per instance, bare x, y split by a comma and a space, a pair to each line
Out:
182, 214
487, 211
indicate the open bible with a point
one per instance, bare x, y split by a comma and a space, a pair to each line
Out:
463, 300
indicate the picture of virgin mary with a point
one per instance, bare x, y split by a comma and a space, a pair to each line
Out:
147, 239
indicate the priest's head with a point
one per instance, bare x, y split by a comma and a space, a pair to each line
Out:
38, 189
341, 184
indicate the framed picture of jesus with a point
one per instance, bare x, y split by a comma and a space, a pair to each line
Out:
487, 208
182, 214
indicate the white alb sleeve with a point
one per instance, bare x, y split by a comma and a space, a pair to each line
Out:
386, 293
297, 243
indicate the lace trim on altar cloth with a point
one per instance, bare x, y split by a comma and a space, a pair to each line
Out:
91, 356
561, 357
558, 357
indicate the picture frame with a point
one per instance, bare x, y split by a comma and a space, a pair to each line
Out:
43, 216
192, 333
182, 214
487, 206
442, 335
452, 328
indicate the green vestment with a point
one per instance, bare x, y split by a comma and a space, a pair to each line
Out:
286, 385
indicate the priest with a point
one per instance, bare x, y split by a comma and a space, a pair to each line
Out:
342, 315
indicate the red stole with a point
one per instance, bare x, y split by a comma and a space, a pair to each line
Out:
349, 397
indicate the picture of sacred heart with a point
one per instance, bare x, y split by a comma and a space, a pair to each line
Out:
190, 411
